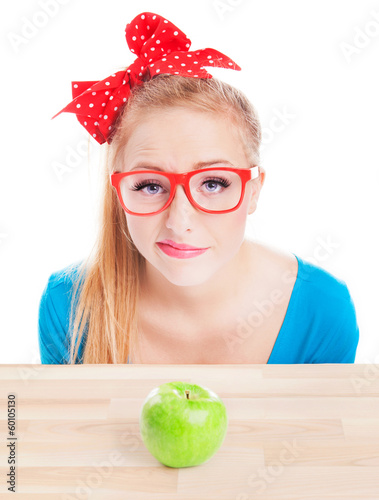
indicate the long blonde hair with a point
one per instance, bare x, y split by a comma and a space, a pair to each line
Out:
104, 300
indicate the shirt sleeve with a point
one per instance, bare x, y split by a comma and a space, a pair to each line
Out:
343, 337
52, 326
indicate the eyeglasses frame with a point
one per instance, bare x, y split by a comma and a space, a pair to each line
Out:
183, 179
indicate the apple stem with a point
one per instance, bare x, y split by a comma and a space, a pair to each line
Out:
187, 394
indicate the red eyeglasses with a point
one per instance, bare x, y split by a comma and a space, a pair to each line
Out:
211, 190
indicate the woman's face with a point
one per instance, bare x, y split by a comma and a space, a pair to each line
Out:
176, 140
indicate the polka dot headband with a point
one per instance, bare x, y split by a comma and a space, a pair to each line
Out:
160, 47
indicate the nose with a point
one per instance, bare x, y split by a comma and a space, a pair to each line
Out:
179, 212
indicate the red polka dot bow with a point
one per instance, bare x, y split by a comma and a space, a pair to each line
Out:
160, 47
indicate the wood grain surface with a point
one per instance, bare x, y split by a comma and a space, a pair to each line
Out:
295, 432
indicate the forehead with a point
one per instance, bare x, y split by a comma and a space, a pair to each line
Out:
179, 137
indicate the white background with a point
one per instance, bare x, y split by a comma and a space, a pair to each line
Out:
321, 161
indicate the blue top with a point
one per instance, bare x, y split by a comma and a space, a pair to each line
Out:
320, 325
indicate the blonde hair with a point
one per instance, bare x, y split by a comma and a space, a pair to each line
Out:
104, 301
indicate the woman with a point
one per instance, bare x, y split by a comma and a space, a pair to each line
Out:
172, 278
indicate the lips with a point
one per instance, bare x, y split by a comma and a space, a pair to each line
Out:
179, 246
179, 250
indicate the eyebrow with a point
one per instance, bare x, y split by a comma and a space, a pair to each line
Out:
200, 164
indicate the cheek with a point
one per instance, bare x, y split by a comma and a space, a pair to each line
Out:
141, 230
230, 227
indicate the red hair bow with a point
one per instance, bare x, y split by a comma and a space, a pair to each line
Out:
160, 47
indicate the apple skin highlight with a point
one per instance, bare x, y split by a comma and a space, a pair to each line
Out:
183, 424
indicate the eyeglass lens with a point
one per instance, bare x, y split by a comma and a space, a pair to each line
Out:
214, 190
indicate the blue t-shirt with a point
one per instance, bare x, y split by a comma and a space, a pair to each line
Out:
320, 324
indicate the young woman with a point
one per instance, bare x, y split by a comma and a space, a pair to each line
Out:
172, 278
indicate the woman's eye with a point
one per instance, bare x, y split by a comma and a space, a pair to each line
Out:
212, 186
149, 188
152, 188
215, 185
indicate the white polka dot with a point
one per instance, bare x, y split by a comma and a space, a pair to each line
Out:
176, 57
96, 123
107, 92
143, 16
100, 116
187, 45
189, 55
123, 82
91, 105
176, 73
129, 70
196, 62
142, 67
136, 26
164, 59
230, 64
157, 70
165, 21
152, 65
154, 17
124, 99
210, 60
142, 37
111, 97
94, 135
134, 38
107, 83
78, 105
152, 48
85, 123
105, 117
114, 74
132, 50
150, 59
195, 75
93, 93
158, 42
153, 35
183, 64
170, 66
109, 127
148, 27
140, 74
176, 33
145, 54
209, 57
104, 104
164, 31
116, 108
190, 71
76, 86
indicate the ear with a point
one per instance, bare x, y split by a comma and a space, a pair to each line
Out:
256, 189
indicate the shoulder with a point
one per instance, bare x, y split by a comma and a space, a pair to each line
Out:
321, 318
65, 277
288, 267
321, 283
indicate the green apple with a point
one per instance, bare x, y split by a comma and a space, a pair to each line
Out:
183, 424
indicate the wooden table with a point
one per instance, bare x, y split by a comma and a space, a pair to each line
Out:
295, 432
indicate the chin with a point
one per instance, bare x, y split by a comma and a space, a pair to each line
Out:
186, 280
186, 277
